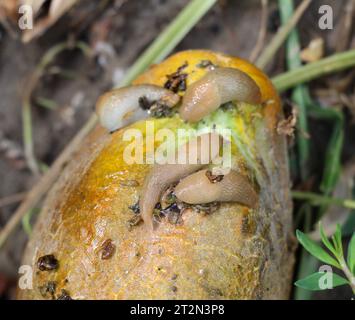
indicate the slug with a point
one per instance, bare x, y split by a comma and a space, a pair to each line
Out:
120, 107
233, 187
190, 157
219, 86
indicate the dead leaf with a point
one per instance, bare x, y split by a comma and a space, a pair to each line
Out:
314, 51
8, 9
57, 8
35, 4
287, 126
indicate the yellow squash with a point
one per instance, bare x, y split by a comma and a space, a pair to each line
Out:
233, 252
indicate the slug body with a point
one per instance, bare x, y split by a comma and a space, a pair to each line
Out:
120, 107
219, 86
233, 187
190, 157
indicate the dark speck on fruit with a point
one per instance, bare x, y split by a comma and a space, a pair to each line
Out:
107, 249
47, 263
64, 295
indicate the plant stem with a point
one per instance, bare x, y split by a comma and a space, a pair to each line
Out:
299, 92
281, 35
11, 199
170, 37
307, 263
318, 200
262, 31
331, 64
347, 273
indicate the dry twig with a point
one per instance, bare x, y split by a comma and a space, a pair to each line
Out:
262, 31
17, 197
281, 35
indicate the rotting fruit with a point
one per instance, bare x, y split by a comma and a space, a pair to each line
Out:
224, 250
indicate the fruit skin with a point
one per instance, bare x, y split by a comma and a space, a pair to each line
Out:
232, 253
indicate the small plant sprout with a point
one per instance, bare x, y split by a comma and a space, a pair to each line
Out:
334, 257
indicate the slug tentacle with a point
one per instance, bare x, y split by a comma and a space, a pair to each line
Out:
190, 157
219, 86
120, 107
233, 187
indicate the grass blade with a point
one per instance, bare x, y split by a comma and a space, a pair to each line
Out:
299, 92
332, 162
281, 35
338, 245
319, 200
308, 72
325, 240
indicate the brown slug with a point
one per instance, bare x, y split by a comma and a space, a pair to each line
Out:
218, 86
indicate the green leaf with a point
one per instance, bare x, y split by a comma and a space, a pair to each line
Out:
316, 250
26, 222
337, 242
312, 281
325, 240
351, 254
332, 167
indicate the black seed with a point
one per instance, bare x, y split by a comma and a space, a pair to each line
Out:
47, 263
64, 295
161, 110
135, 208
156, 108
144, 103
48, 288
135, 221
172, 212
207, 208
177, 81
